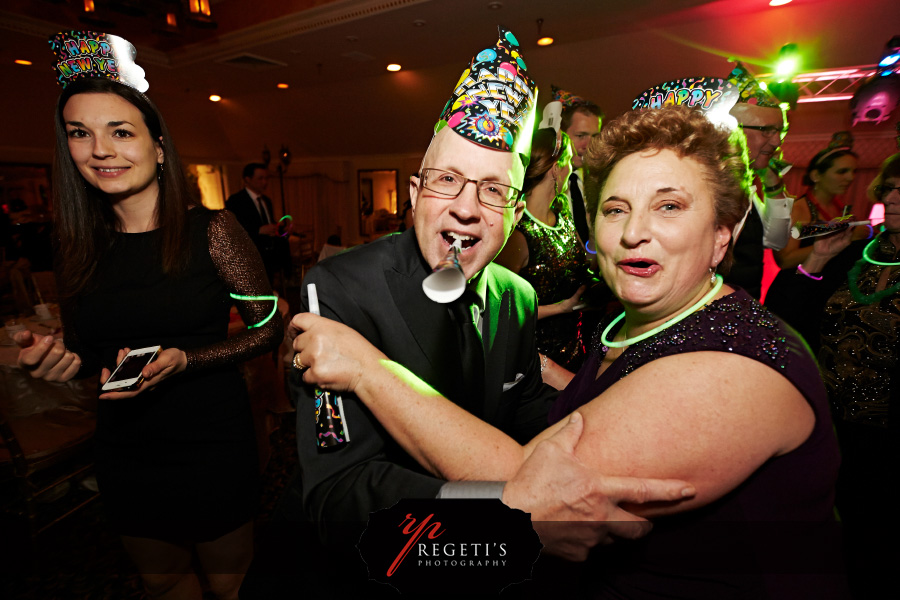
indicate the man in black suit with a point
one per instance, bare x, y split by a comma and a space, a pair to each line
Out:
377, 290
253, 210
479, 351
581, 121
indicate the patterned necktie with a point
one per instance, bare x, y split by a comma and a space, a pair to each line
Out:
578, 213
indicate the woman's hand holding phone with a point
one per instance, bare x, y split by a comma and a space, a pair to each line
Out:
45, 357
168, 362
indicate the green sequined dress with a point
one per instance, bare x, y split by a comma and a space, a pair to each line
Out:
557, 266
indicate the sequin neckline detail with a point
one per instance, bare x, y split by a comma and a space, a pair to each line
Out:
735, 323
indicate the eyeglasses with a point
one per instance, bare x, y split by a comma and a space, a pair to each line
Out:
490, 193
767, 130
882, 191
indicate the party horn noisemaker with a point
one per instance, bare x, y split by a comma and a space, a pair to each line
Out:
331, 426
801, 231
447, 282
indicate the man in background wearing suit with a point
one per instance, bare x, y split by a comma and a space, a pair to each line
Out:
581, 122
253, 211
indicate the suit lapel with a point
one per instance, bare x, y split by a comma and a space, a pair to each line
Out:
428, 322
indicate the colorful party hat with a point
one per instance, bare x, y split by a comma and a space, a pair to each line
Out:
751, 90
713, 95
85, 54
493, 102
553, 120
567, 98
552, 116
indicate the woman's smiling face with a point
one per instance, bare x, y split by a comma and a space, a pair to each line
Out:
111, 145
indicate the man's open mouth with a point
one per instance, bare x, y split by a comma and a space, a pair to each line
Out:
465, 241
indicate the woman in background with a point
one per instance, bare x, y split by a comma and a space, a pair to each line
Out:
545, 250
830, 173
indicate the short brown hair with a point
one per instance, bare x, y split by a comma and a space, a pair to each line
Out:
588, 109
689, 134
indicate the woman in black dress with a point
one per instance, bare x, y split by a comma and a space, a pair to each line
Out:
140, 263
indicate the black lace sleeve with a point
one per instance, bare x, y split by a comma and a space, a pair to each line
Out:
239, 265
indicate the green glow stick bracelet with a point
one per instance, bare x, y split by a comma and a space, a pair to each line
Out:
258, 299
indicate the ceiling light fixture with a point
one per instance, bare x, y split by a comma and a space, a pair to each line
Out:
199, 7
543, 40
282, 86
495, 5
779, 2
22, 61
215, 98
200, 14
90, 16
394, 67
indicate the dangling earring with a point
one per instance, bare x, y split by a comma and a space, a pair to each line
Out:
712, 276
161, 169
555, 187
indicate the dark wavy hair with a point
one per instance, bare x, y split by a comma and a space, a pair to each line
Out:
83, 216
689, 134
542, 157
824, 160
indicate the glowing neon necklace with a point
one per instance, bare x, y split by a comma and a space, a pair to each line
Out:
627, 342
854, 273
868, 259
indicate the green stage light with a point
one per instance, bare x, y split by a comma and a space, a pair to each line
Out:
788, 63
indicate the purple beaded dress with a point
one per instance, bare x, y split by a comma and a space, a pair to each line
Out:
774, 535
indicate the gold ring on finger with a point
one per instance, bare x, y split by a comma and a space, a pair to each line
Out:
297, 364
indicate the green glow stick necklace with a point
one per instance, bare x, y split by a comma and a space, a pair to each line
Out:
627, 342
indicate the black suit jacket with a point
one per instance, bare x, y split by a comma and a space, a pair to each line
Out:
377, 290
272, 249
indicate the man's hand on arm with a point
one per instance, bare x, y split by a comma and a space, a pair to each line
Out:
575, 508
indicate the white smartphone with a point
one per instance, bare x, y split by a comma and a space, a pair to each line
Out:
128, 372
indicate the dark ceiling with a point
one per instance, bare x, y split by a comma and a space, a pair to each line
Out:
341, 102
